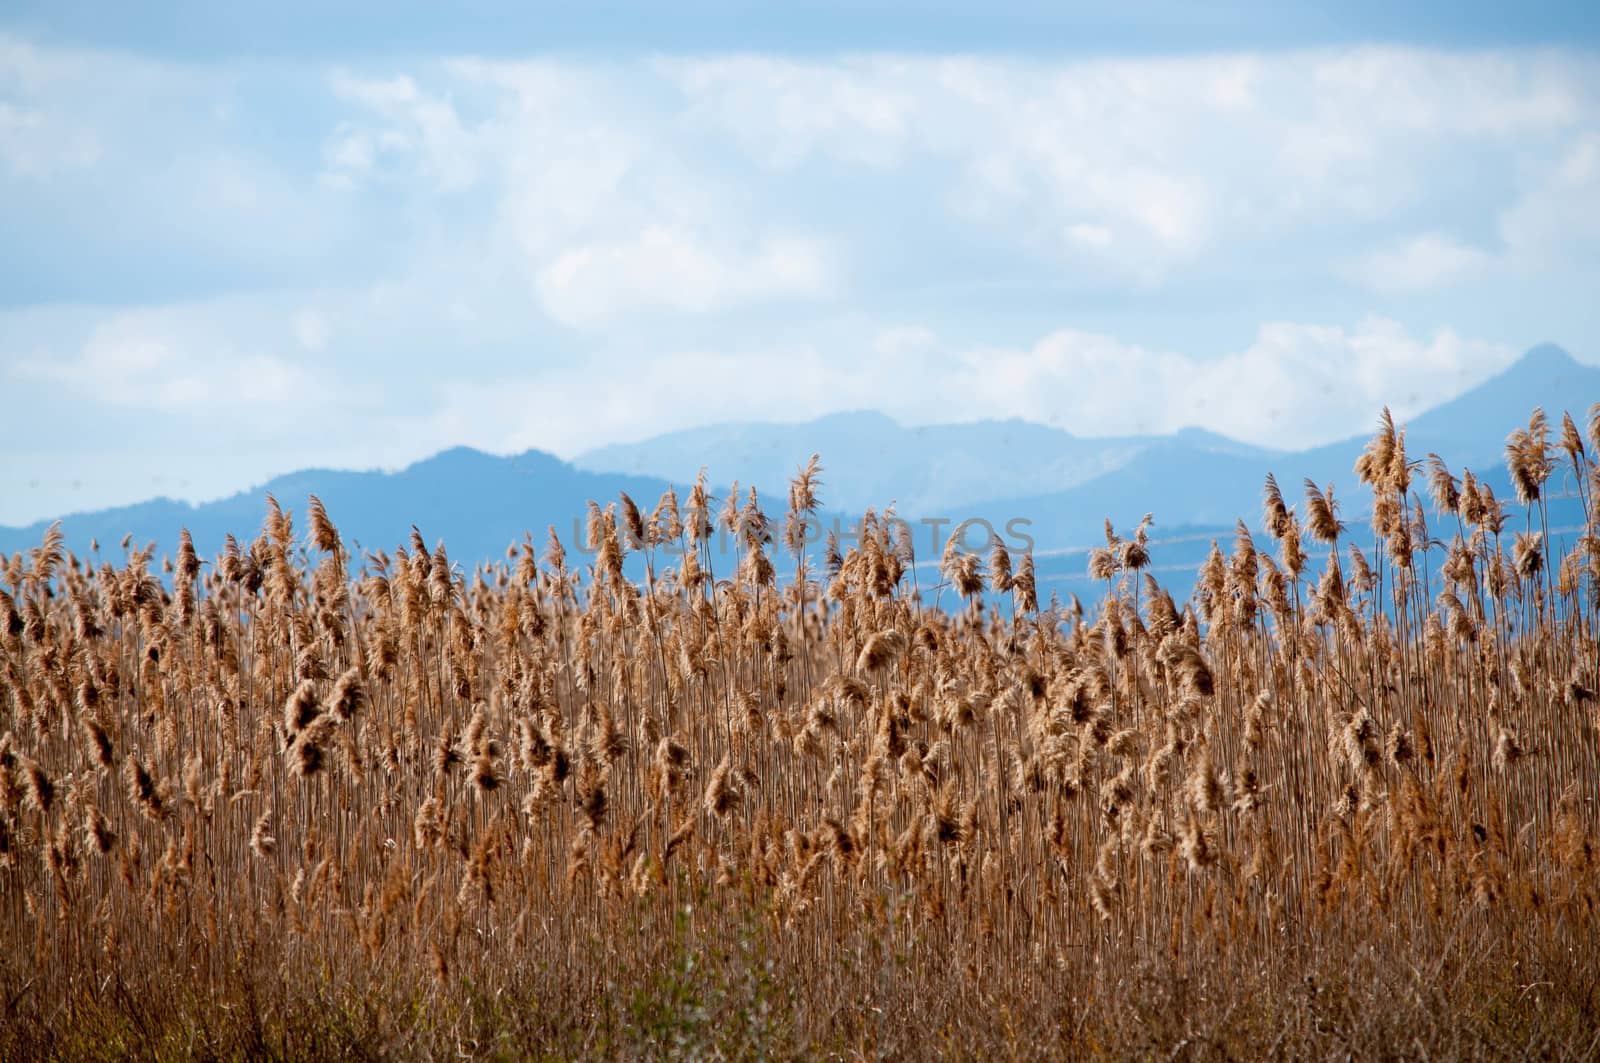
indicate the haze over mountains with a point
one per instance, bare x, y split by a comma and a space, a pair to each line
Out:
1196, 483
476, 503
873, 460
1190, 485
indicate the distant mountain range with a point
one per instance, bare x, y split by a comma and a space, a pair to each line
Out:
476, 503
1201, 486
1193, 476
1196, 483
872, 460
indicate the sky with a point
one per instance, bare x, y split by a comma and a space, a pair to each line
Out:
242, 240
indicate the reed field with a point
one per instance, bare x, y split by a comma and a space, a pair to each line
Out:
785, 798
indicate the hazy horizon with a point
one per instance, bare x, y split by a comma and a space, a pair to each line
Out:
593, 459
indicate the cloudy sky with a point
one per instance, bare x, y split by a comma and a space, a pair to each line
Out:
239, 244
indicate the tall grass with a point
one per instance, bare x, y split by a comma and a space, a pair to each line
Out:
302, 804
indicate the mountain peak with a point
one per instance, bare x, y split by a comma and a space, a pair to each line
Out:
452, 459
1195, 434
1546, 358
1546, 376
857, 419
1198, 438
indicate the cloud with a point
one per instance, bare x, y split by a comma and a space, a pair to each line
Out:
122, 173
859, 110
1132, 173
608, 218
903, 340
620, 193
310, 329
1431, 260
563, 252
1147, 165
39, 136
666, 268
172, 361
1555, 222
423, 125
1296, 385
35, 145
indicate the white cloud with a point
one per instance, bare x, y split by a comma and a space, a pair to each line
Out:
1557, 220
36, 145
38, 135
609, 219
1147, 165
1440, 93
423, 125
572, 410
310, 329
1431, 260
1089, 235
1295, 385
859, 110
904, 339
622, 190
481, 248
669, 269
172, 360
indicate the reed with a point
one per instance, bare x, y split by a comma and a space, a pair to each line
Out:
306, 804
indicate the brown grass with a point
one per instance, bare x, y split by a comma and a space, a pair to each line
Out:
290, 810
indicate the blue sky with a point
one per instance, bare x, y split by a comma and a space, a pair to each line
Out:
243, 241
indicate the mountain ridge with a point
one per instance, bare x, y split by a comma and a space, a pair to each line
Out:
921, 466
471, 496
478, 503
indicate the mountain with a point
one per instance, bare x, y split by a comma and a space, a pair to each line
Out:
1062, 487
1068, 485
1174, 482
1197, 492
476, 503
871, 460
1208, 484
1469, 431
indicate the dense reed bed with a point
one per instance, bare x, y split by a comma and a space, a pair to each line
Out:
293, 803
